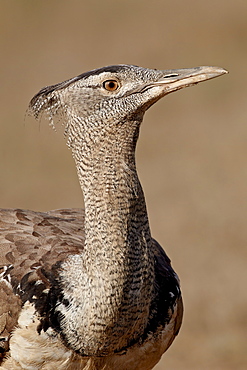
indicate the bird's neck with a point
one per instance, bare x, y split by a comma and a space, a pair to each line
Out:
117, 259
116, 221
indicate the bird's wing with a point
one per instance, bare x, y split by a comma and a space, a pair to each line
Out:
30, 244
167, 304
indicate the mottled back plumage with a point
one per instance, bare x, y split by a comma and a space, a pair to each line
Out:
92, 289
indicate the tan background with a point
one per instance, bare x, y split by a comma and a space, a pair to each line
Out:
192, 152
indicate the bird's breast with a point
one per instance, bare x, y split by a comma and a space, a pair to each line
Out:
100, 312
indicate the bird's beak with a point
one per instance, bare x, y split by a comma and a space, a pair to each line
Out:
175, 79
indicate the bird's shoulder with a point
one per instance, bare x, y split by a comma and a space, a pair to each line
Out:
31, 244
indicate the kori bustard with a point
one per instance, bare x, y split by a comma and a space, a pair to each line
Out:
91, 289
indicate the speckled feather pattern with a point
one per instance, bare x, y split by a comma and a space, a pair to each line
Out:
32, 241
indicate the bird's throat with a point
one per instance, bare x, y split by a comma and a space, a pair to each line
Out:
115, 271
116, 221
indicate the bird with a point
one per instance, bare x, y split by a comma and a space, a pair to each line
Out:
91, 289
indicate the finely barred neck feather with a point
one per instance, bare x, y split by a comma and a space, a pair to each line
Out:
102, 292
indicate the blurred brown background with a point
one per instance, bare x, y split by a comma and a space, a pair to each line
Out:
192, 151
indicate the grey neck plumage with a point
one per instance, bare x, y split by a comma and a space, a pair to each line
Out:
115, 273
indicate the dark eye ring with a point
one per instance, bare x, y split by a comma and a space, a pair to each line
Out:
111, 85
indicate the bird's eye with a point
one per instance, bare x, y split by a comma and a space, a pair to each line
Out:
111, 85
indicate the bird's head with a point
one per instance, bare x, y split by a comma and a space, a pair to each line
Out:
106, 100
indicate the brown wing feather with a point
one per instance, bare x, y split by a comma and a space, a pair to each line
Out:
30, 244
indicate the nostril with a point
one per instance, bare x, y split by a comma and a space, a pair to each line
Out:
171, 75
